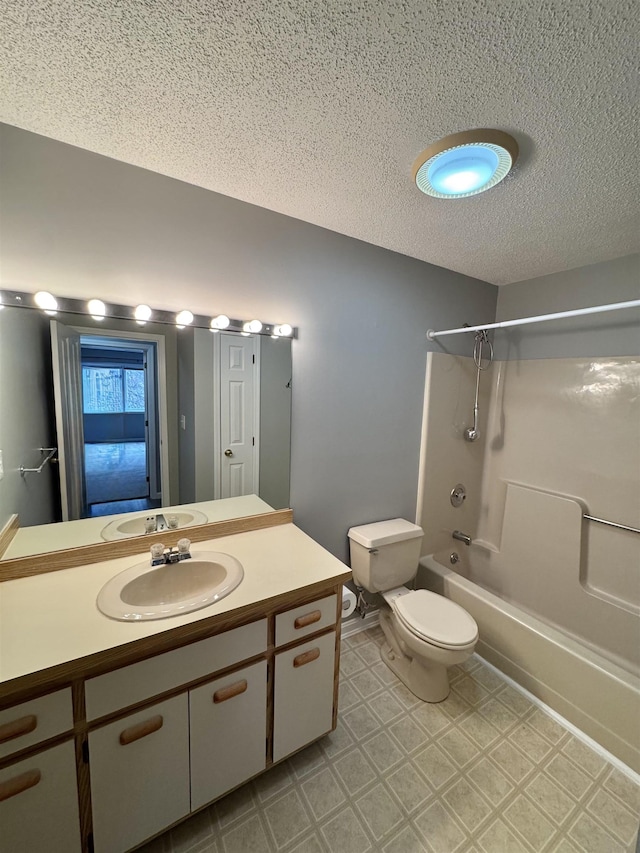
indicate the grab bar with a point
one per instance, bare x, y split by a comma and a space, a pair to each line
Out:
50, 451
612, 523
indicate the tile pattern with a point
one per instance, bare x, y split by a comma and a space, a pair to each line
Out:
485, 771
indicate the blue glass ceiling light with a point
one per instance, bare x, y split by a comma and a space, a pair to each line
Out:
465, 164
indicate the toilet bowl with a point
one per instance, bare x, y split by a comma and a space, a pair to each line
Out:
425, 632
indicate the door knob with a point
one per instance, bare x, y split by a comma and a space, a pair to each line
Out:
228, 452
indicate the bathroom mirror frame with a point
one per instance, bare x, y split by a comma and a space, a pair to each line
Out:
67, 557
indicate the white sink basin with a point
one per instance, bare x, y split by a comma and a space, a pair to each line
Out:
123, 528
145, 592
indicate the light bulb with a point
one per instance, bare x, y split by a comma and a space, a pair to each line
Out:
253, 326
220, 322
465, 164
184, 318
46, 301
97, 309
284, 330
142, 314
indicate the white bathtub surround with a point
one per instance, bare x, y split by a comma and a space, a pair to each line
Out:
560, 442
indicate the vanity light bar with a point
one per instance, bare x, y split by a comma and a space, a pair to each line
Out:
97, 310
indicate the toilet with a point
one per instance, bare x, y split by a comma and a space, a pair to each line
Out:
425, 632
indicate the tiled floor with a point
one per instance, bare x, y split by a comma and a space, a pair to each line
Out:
484, 771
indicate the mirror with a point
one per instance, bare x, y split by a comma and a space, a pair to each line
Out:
159, 408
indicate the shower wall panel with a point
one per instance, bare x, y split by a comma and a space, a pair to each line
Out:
562, 440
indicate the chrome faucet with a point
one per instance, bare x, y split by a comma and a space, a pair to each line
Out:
156, 523
160, 555
461, 537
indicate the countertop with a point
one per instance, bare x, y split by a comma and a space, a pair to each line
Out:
42, 538
52, 618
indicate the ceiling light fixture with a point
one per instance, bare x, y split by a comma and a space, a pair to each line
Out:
220, 322
184, 318
283, 330
97, 309
46, 301
142, 314
465, 164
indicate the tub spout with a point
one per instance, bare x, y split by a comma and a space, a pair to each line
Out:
461, 537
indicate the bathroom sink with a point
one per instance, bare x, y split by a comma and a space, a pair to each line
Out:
122, 528
144, 592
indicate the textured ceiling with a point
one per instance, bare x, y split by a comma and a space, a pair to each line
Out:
318, 110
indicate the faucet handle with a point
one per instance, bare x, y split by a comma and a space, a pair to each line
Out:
157, 553
184, 545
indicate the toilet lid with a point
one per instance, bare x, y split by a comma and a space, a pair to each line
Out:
436, 619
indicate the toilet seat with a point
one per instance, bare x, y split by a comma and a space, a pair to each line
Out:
436, 619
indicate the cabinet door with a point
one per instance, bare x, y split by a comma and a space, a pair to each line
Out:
303, 700
39, 803
228, 732
139, 767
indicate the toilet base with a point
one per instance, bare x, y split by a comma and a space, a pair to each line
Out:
427, 680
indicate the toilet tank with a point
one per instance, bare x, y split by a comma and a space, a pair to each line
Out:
385, 554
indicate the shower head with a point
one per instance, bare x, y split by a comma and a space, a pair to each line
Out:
471, 434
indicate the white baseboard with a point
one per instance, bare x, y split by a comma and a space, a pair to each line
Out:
354, 624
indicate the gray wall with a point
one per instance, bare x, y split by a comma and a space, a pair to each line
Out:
275, 421
77, 223
608, 334
26, 418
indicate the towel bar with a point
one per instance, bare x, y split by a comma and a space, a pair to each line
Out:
50, 451
612, 523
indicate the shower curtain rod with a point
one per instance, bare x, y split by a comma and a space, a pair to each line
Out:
578, 312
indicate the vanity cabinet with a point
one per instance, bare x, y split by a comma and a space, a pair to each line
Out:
139, 769
161, 737
39, 803
39, 794
151, 768
303, 696
33, 722
228, 732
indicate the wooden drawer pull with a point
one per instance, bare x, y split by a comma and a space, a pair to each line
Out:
307, 619
148, 727
19, 784
229, 692
306, 657
17, 728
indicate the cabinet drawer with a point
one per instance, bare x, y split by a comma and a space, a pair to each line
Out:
139, 767
228, 732
39, 803
303, 697
34, 721
123, 687
295, 624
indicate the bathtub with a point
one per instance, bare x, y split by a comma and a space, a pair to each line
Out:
596, 695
